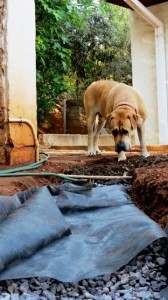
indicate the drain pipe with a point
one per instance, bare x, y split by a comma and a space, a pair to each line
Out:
20, 120
150, 18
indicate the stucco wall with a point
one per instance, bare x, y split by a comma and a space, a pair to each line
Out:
2, 80
21, 66
17, 82
144, 65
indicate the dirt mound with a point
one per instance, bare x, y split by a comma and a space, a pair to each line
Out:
150, 191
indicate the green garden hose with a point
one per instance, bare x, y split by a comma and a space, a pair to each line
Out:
15, 172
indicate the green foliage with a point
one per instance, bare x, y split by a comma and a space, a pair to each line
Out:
79, 42
120, 65
53, 19
102, 48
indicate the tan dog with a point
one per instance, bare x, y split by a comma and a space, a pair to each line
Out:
122, 107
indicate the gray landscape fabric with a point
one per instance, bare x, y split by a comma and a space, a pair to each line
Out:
70, 232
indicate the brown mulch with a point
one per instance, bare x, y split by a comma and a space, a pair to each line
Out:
108, 165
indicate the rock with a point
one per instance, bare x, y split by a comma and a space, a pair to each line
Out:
153, 275
14, 296
156, 296
105, 290
148, 258
60, 287
157, 249
155, 286
73, 291
161, 261
100, 283
24, 287
124, 278
89, 296
48, 295
132, 282
144, 295
106, 297
106, 277
5, 296
44, 285
84, 283
142, 282
53, 288
10, 289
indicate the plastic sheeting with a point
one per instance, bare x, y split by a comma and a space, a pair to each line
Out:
70, 232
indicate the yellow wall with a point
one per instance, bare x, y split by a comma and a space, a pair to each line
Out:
20, 73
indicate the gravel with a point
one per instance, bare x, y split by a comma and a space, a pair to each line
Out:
141, 279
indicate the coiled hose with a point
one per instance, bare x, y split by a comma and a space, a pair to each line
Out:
15, 172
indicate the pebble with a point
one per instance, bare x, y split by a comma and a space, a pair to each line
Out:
105, 290
124, 278
160, 261
105, 297
60, 287
5, 296
14, 296
48, 295
89, 296
142, 282
10, 289
106, 277
141, 279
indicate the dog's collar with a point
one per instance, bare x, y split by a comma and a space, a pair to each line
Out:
126, 104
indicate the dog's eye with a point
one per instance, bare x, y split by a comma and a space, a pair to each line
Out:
115, 132
124, 131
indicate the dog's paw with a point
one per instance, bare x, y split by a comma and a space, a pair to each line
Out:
121, 156
98, 152
144, 153
94, 152
91, 153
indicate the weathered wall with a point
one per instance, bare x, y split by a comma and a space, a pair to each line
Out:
76, 121
21, 78
18, 82
21, 59
73, 121
144, 65
2, 105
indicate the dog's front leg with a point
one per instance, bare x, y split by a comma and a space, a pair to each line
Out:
90, 122
100, 125
95, 144
141, 135
91, 151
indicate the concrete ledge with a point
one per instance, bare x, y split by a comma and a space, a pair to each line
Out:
79, 142
71, 140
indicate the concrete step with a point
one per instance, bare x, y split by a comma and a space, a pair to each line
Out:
78, 143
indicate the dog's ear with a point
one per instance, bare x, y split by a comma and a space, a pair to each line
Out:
133, 120
109, 118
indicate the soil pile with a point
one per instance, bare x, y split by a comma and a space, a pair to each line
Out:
150, 191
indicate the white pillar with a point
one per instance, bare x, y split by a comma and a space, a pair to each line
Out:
160, 52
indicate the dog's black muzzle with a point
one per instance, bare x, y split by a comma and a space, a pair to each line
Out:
122, 147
